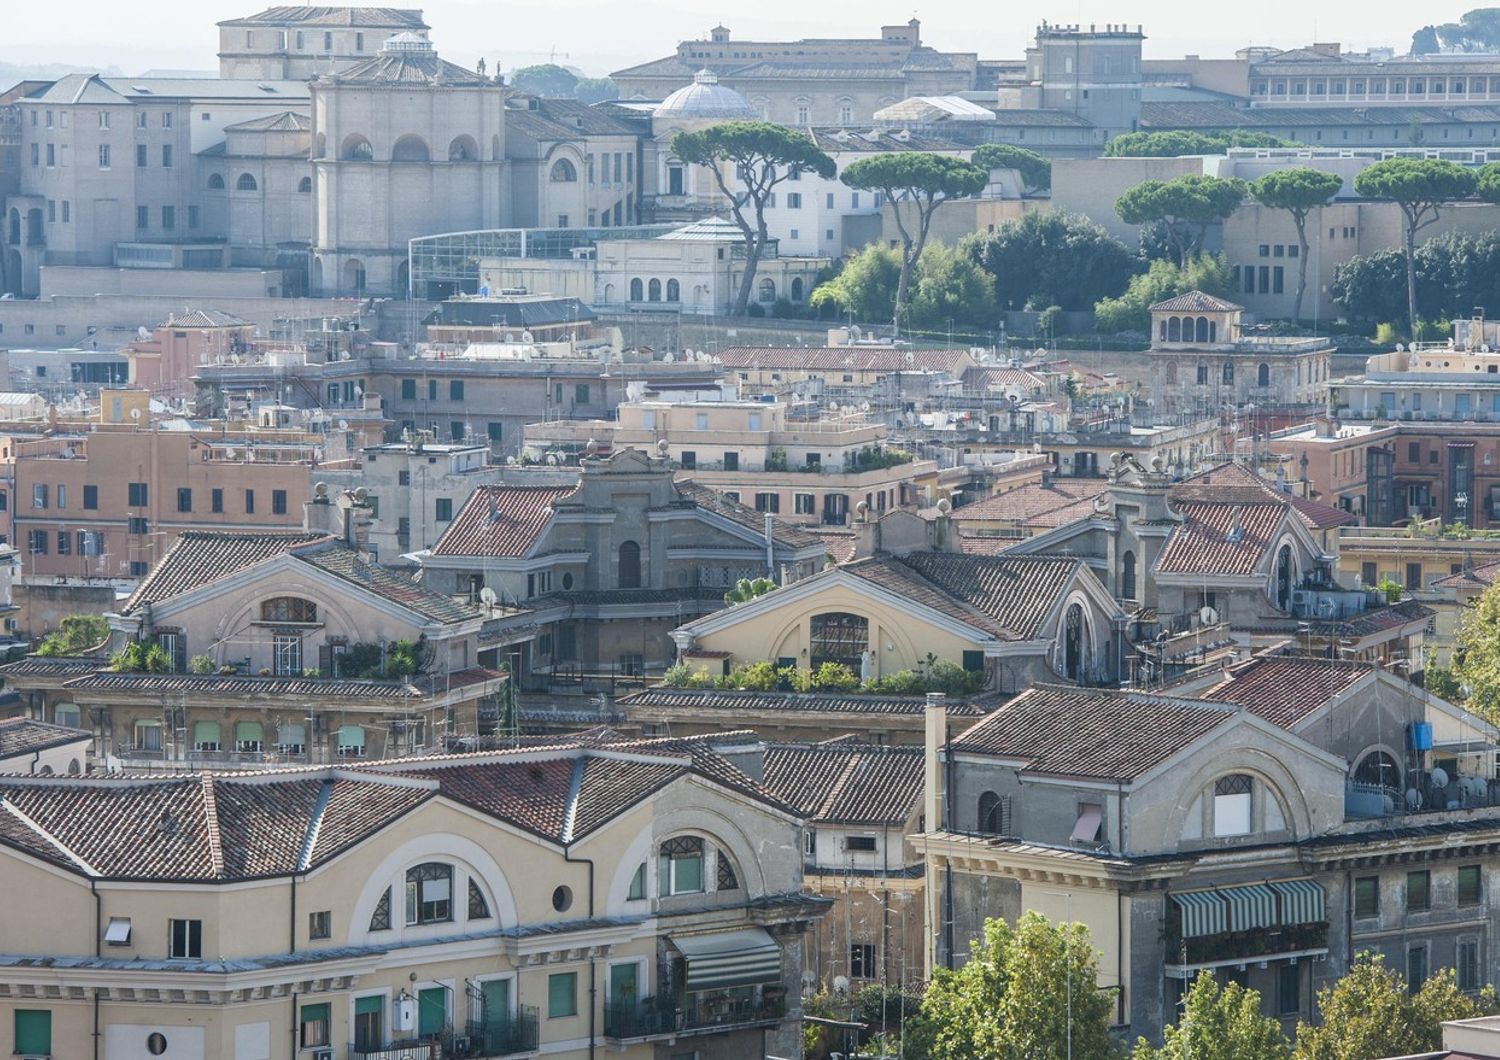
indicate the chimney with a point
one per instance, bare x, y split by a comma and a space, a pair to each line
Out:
934, 798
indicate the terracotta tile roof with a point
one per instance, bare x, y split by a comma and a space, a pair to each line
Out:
1195, 302
1054, 504
736, 702
847, 782
347, 563
244, 685
202, 556
981, 545
1212, 485
712, 500
1106, 734
25, 736
1478, 577
501, 521
1285, 689
842, 358
298, 14
55, 666
1220, 537
1014, 593
841, 544
355, 807
215, 318
1008, 380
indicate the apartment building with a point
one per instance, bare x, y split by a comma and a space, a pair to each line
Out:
573, 899
300, 43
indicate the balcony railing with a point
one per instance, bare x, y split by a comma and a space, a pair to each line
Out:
1258, 945
502, 1037
700, 1011
412, 1049
641, 1019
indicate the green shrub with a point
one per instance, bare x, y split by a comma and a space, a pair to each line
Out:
201, 664
75, 635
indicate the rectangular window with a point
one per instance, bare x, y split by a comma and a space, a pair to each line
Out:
320, 924
215, 501
192, 217
169, 217
1367, 575
141, 158
864, 844
1414, 576
36, 542
67, 211
249, 502
1467, 964
1278, 280
166, 156
1232, 801
688, 459
794, 200
1416, 966
768, 502
278, 502
1419, 893
562, 995
805, 503
64, 542
443, 509
1470, 884
493, 430
731, 461
185, 939
33, 1027
166, 119
286, 654
313, 1028
861, 960
139, 525
136, 494
408, 389
974, 662
432, 390
455, 390
118, 931
1367, 897
39, 496
1288, 989
581, 394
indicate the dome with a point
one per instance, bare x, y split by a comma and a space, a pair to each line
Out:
705, 100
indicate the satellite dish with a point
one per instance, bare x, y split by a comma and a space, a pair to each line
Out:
1414, 799
487, 596
526, 336
320, 490
1208, 616
1486, 349
944, 506
361, 494
910, 357
841, 984
1400, 348
552, 459
135, 414
142, 334
343, 425
1440, 777
663, 447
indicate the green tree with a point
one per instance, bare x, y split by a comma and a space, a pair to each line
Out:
1420, 187
1035, 170
1475, 31
595, 90
1052, 258
1219, 1024
1476, 654
1163, 280
546, 79
865, 288
761, 155
1026, 992
1370, 1013
917, 182
1425, 41
951, 291
75, 635
1174, 143
1186, 205
1298, 191
747, 589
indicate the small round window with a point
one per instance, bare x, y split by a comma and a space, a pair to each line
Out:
567, 581
562, 899
156, 1043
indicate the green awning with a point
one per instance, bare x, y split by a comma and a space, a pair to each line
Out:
351, 736
206, 732
373, 1005
247, 732
1302, 901
729, 958
1203, 913
1250, 907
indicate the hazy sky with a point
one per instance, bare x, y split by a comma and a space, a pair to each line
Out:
600, 35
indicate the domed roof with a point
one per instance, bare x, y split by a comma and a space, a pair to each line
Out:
705, 99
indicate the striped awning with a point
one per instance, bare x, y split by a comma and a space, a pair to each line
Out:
1250, 907
729, 958
1203, 913
1302, 901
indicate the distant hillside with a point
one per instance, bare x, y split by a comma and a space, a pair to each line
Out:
10, 73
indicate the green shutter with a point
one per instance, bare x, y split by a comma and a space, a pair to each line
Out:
496, 993
373, 1005
247, 732
432, 1012
351, 736
33, 1031
205, 732
562, 995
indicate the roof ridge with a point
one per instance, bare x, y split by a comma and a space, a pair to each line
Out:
211, 824
48, 837
315, 823
575, 789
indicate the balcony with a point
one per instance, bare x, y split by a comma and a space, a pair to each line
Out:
413, 1049
502, 1037
1229, 948
707, 1011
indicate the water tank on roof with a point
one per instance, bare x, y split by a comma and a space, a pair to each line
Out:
1420, 733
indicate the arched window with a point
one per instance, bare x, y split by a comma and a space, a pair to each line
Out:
1378, 768
245, 183
1228, 373
463, 149
1232, 805
1203, 329
1284, 576
15, 218
1075, 645
1174, 329
354, 276
1213, 331
215, 182
304, 186
838, 637
796, 288
1263, 375
767, 290
1171, 373
637, 290
497, 150
991, 814
564, 172
674, 291
680, 866
429, 893
410, 148
653, 290
1161, 329
630, 566
380, 919
479, 909
725, 878
1127, 576
288, 609
356, 149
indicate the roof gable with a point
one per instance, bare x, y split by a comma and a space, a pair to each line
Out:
502, 521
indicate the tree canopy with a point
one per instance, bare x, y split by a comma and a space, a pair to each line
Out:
761, 155
1476, 654
1186, 205
1035, 170
1130, 311
1219, 1023
1173, 143
921, 182
1052, 258
949, 289
1475, 31
1453, 273
1419, 186
1370, 1013
1298, 191
1025, 991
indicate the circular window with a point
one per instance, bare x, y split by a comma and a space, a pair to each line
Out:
567, 581
156, 1043
562, 899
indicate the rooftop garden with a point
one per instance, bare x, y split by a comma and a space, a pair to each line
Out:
934, 675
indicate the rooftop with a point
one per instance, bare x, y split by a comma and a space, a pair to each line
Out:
355, 17
20, 737
847, 782
735, 702
1284, 689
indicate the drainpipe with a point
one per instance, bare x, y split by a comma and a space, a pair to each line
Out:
593, 963
98, 950
770, 547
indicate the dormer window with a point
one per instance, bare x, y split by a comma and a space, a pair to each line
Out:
289, 609
1232, 805
429, 893
681, 866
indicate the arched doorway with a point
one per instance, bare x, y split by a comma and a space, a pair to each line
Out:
354, 276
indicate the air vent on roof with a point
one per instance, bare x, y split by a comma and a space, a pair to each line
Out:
142, 89
266, 88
